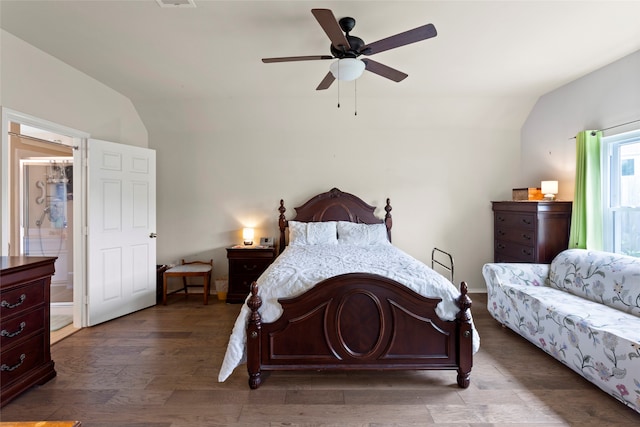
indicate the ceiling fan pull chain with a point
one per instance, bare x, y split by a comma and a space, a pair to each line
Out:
355, 97
338, 86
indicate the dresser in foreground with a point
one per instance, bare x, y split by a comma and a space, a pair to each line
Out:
25, 354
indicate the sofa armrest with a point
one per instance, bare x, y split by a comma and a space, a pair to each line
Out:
497, 274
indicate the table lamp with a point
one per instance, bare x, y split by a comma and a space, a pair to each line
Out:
549, 189
247, 236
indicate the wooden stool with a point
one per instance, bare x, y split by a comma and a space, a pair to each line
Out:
189, 269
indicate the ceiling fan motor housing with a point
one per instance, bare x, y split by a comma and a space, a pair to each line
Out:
356, 44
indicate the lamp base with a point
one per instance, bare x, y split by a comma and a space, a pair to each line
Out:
549, 197
248, 242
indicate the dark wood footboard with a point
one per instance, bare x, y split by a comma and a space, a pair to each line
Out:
359, 321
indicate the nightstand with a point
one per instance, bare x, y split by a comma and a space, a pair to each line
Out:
246, 264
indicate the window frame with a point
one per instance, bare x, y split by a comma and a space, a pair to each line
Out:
610, 174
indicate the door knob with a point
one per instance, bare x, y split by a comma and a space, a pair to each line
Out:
153, 235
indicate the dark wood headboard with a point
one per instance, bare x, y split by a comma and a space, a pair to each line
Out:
334, 205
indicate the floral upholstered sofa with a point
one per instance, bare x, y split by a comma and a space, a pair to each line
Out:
583, 309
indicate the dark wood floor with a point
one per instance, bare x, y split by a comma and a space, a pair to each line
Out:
159, 367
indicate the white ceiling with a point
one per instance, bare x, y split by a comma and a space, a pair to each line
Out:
483, 48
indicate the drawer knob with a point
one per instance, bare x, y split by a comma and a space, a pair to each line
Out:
526, 221
526, 252
250, 268
4, 367
8, 334
501, 246
7, 304
526, 237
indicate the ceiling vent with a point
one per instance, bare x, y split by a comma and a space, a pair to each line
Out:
176, 3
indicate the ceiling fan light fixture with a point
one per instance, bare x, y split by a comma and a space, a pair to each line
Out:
347, 69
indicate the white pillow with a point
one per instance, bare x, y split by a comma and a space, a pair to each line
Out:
322, 233
352, 233
312, 233
297, 233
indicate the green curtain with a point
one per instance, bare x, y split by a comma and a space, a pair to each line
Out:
586, 216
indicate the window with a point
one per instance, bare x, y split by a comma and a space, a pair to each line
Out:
621, 193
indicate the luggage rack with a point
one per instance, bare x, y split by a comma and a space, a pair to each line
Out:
448, 267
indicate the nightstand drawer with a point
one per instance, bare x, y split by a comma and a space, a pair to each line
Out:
241, 284
253, 267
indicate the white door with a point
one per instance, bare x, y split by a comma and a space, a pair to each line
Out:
121, 242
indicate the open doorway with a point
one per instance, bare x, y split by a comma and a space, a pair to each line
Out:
46, 205
41, 211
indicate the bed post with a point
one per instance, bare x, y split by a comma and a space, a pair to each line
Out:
387, 219
465, 337
282, 223
254, 338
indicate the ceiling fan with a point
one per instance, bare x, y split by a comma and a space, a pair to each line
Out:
348, 48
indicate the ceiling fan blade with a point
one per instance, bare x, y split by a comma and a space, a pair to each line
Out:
296, 58
402, 39
330, 25
384, 71
326, 82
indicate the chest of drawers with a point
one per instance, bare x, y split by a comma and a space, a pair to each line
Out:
25, 355
245, 266
530, 231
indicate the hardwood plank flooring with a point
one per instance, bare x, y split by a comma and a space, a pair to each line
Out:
158, 368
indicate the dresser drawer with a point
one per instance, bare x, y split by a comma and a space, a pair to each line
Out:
22, 298
19, 360
517, 220
523, 236
514, 251
17, 328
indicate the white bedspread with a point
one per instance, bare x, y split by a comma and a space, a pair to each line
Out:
299, 268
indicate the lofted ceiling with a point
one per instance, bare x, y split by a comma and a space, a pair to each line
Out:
483, 48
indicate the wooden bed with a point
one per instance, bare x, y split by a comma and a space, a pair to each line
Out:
356, 321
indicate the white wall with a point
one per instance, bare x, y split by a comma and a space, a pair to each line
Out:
607, 97
35, 83
440, 160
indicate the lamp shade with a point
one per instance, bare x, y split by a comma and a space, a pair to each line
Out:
347, 69
247, 236
549, 189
